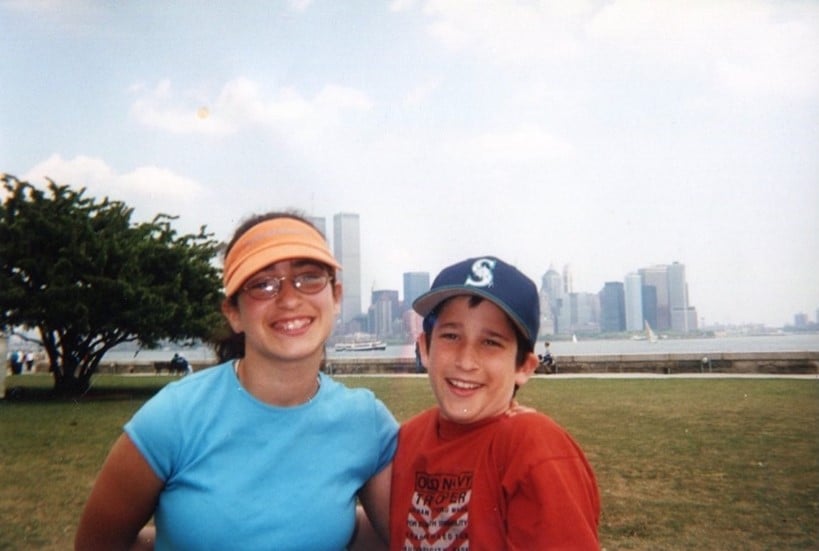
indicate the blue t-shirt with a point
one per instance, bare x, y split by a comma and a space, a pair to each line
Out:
241, 474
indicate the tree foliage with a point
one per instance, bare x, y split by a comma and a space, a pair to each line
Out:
87, 279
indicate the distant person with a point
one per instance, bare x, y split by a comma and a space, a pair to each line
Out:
263, 451
180, 365
29, 359
466, 474
546, 359
16, 362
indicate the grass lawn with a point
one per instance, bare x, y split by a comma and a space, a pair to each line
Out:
681, 463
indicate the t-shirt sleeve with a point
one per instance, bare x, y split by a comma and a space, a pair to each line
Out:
552, 495
386, 428
154, 431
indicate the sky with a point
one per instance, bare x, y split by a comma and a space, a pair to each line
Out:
604, 135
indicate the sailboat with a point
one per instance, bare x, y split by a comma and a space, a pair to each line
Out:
574, 338
650, 335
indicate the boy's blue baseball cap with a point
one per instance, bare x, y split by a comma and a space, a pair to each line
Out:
496, 281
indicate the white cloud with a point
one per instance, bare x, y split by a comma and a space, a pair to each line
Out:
419, 95
74, 16
742, 46
508, 32
155, 182
80, 172
148, 189
340, 98
748, 46
402, 5
163, 108
242, 103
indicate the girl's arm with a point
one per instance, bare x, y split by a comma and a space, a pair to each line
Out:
373, 528
122, 501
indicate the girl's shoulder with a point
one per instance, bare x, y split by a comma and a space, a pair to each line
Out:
351, 399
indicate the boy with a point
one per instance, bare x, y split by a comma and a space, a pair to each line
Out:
467, 473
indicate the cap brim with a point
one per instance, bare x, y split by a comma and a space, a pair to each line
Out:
426, 303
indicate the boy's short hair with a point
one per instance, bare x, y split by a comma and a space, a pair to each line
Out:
492, 279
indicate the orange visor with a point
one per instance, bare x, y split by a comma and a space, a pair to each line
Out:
270, 242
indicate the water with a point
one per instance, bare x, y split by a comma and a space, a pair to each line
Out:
768, 343
772, 343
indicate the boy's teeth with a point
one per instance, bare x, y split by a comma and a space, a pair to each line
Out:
462, 384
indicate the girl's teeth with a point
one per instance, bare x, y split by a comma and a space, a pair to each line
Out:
294, 324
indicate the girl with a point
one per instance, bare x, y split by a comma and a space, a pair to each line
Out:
262, 451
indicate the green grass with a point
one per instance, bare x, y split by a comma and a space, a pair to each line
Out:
681, 463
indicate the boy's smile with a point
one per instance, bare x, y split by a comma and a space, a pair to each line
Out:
471, 360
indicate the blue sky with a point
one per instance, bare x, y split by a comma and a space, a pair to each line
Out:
608, 135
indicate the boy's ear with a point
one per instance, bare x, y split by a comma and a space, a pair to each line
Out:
422, 349
526, 370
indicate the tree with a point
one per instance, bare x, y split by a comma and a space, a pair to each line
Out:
87, 279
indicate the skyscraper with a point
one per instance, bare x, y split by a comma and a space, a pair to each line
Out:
552, 293
677, 297
656, 277
568, 280
347, 250
612, 307
632, 285
683, 315
665, 298
383, 312
415, 285
584, 313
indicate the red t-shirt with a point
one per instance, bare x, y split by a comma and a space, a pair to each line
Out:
516, 482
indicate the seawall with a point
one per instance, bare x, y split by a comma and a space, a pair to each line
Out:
790, 363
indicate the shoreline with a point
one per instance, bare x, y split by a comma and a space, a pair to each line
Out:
734, 363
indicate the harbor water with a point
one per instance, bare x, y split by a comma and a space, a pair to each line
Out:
583, 347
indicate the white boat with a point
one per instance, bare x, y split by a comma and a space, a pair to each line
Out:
360, 346
368, 345
650, 335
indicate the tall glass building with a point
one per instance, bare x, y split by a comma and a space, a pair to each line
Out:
552, 294
683, 315
665, 298
347, 250
632, 287
612, 307
656, 305
415, 285
383, 312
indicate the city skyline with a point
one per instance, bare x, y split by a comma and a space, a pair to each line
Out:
670, 280
605, 134
651, 298
661, 302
